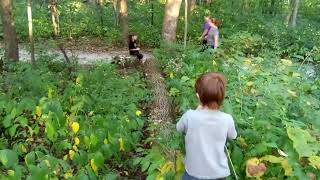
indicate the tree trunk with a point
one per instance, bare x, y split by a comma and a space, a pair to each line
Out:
9, 32
56, 28
101, 9
208, 2
152, 12
193, 5
170, 21
116, 13
123, 17
292, 18
29, 9
185, 23
55, 17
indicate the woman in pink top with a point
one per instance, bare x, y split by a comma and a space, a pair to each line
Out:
206, 29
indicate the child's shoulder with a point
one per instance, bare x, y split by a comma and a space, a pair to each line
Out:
197, 112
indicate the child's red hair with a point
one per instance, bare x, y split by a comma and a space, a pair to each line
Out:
210, 88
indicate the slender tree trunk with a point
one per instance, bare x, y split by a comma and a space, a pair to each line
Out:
56, 28
208, 2
170, 21
116, 13
55, 17
152, 12
292, 20
123, 12
9, 32
101, 9
185, 24
193, 4
29, 9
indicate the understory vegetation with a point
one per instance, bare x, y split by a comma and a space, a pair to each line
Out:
56, 125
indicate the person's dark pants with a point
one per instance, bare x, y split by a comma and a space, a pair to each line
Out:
204, 45
137, 54
186, 176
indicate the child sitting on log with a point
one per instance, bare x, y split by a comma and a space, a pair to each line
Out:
206, 131
133, 47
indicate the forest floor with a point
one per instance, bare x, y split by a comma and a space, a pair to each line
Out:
84, 51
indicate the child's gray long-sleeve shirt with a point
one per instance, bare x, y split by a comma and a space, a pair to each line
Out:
206, 133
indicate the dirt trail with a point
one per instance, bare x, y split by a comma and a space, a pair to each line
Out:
85, 51
82, 56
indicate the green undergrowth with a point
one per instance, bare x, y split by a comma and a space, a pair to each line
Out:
60, 125
274, 101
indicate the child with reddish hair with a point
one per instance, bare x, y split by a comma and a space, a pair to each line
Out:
206, 131
133, 47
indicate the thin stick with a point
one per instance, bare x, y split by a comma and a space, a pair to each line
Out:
233, 169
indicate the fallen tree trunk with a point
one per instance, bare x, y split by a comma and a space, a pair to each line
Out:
161, 109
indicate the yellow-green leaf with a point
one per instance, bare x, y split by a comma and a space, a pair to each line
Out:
179, 164
138, 113
38, 111
283, 161
315, 162
76, 141
94, 166
71, 153
121, 142
252, 168
75, 127
105, 141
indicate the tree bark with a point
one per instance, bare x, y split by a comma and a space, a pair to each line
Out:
185, 24
29, 9
55, 17
193, 4
9, 32
116, 13
170, 21
56, 28
101, 9
208, 2
123, 17
152, 12
292, 18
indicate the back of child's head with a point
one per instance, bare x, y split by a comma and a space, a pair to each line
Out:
130, 37
216, 22
210, 88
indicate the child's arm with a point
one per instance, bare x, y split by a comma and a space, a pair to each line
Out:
136, 49
182, 125
133, 47
232, 133
216, 41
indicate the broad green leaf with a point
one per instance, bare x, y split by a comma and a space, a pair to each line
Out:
303, 142
81, 158
30, 158
50, 131
22, 120
283, 161
93, 139
145, 165
82, 175
237, 155
99, 159
13, 129
8, 120
37, 173
8, 158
